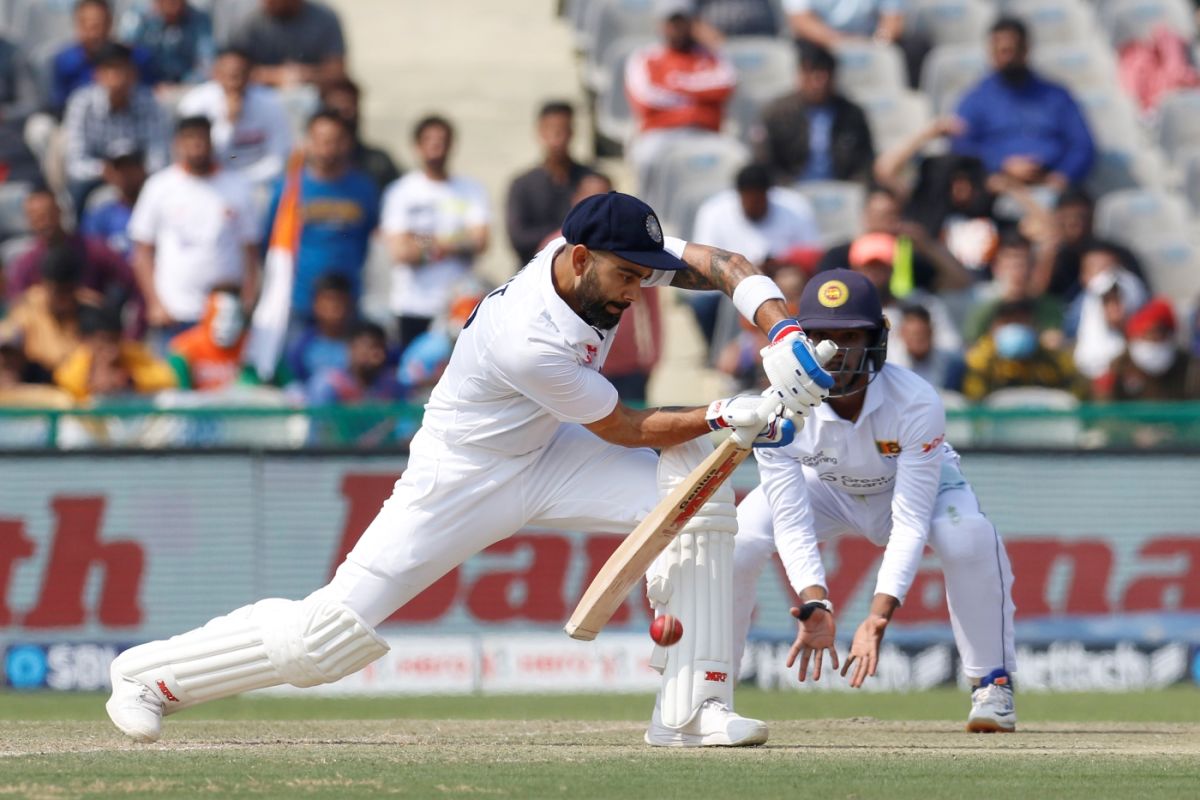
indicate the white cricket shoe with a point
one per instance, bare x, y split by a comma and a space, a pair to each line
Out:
992, 708
715, 725
134, 708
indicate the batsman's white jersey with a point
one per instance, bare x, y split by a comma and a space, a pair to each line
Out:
891, 477
499, 450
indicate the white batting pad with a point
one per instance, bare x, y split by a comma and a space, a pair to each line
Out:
274, 641
693, 580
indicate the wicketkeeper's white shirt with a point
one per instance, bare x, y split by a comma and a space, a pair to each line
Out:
896, 446
524, 364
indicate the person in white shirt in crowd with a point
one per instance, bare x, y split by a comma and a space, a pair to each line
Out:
770, 225
1096, 319
435, 225
873, 461
251, 131
194, 227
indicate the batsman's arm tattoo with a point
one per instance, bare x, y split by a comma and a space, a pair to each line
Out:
713, 268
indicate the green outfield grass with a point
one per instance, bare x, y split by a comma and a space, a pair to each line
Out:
1144, 745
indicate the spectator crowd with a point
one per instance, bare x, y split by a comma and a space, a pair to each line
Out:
195, 207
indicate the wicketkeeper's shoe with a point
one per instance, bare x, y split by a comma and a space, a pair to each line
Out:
134, 708
992, 708
715, 725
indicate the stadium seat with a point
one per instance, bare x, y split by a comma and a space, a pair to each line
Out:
12, 210
1154, 224
838, 208
614, 117
766, 69
706, 164
1188, 162
869, 67
1179, 121
1054, 21
1137, 216
949, 71
1125, 158
894, 116
226, 14
1079, 66
951, 21
608, 22
1134, 19
42, 21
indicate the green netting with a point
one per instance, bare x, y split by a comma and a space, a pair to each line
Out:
1138, 425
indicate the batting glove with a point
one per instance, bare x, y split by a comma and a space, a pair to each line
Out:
745, 412
794, 367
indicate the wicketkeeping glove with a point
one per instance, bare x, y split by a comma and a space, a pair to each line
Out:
794, 367
746, 412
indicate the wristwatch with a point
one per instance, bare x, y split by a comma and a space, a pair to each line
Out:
809, 606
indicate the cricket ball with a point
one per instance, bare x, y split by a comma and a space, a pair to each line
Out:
666, 630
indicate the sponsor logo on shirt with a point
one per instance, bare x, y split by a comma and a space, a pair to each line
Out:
817, 458
925, 448
590, 355
887, 447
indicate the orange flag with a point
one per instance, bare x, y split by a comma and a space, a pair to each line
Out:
269, 325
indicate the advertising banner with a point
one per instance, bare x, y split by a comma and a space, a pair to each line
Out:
102, 551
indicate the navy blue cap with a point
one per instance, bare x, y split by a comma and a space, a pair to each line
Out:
622, 225
840, 299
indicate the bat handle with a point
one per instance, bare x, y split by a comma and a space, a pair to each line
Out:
744, 437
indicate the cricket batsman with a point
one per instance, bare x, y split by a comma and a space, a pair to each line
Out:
522, 429
873, 461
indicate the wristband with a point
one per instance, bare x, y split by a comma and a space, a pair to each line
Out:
811, 606
783, 328
751, 292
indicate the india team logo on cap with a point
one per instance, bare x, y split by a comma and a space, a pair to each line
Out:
833, 294
652, 228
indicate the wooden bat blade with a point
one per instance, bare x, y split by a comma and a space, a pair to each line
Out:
637, 552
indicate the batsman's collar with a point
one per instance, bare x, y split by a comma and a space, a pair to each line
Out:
576, 332
623, 225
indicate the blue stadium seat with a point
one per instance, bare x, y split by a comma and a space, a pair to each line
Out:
1179, 121
837, 206
895, 116
951, 21
703, 165
1134, 19
869, 67
1056, 21
766, 69
608, 22
1078, 66
614, 118
949, 71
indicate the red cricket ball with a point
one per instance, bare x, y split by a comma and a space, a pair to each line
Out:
666, 630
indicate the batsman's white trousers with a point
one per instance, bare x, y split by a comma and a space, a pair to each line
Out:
974, 563
453, 502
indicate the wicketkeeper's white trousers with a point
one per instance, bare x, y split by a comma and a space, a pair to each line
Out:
451, 503
974, 563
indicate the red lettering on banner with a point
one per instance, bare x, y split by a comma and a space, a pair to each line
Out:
364, 494
13, 548
1091, 567
534, 593
855, 557
1151, 593
76, 548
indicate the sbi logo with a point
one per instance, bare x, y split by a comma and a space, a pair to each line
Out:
25, 665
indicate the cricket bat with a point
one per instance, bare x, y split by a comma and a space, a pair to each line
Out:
629, 562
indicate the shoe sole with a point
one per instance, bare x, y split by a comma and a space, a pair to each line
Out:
757, 741
988, 726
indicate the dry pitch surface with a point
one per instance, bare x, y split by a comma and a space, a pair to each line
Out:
858, 757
